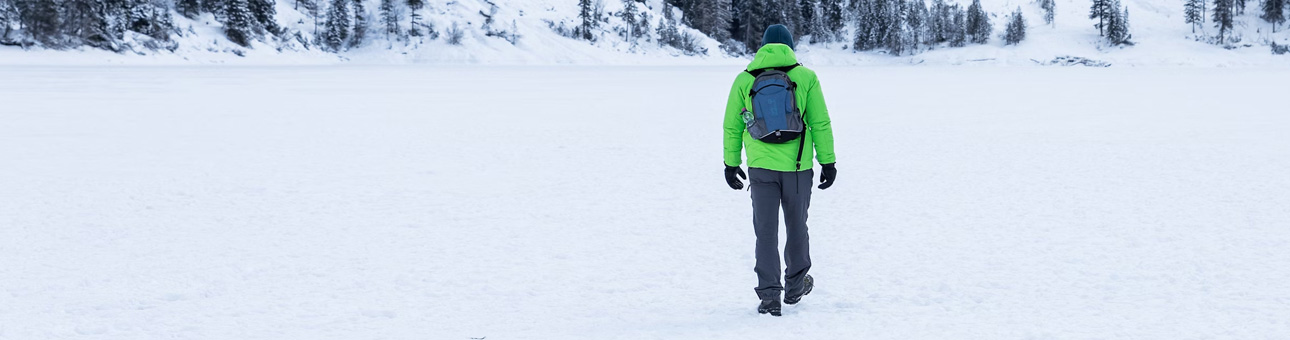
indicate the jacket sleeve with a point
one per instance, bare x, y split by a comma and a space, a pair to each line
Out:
734, 126
817, 117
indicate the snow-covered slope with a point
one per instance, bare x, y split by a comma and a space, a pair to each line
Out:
538, 43
202, 40
1161, 37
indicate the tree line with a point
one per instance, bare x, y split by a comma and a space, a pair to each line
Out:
112, 24
897, 27
1223, 14
100, 24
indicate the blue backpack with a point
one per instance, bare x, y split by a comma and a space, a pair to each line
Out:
775, 117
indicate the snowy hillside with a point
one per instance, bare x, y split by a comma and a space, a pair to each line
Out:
537, 43
1160, 35
525, 32
202, 40
1157, 26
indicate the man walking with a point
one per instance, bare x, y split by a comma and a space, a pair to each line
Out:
776, 109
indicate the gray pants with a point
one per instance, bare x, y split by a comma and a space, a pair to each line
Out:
771, 190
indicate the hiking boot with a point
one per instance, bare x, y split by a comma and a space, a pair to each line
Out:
771, 306
809, 282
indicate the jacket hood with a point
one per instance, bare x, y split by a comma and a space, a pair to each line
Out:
773, 55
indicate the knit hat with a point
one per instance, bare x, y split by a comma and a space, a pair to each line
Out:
777, 34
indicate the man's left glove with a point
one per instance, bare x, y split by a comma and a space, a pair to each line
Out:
735, 183
827, 175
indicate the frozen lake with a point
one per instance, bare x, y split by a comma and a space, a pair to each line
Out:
588, 203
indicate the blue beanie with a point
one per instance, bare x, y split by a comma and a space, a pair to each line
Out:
777, 34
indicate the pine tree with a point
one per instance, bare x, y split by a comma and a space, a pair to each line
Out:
1222, 18
163, 22
670, 35
1050, 8
415, 7
916, 21
871, 25
152, 18
667, 32
265, 15
1100, 10
941, 22
118, 15
239, 24
896, 31
628, 16
790, 14
360, 24
8, 15
817, 25
314, 9
188, 8
1193, 13
643, 26
1124, 26
752, 22
685, 6
738, 22
958, 27
832, 15
888, 22
589, 17
1112, 23
87, 22
41, 20
712, 17
1117, 31
637, 23
1016, 31
771, 12
598, 8
390, 18
807, 8
1274, 12
978, 23
863, 25
935, 25
336, 29
129, 15
216, 7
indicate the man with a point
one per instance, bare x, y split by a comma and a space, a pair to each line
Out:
775, 171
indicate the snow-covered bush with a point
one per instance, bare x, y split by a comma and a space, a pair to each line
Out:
455, 33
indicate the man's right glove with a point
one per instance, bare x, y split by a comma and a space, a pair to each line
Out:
827, 175
735, 183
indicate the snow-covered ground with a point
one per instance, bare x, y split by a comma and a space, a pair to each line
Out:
587, 203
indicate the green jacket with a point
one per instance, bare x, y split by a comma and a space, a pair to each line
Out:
779, 157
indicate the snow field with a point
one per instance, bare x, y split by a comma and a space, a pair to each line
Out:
587, 202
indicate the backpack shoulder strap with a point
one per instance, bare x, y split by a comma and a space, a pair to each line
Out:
757, 73
784, 69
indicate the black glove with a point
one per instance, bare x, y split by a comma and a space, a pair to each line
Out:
735, 183
827, 175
